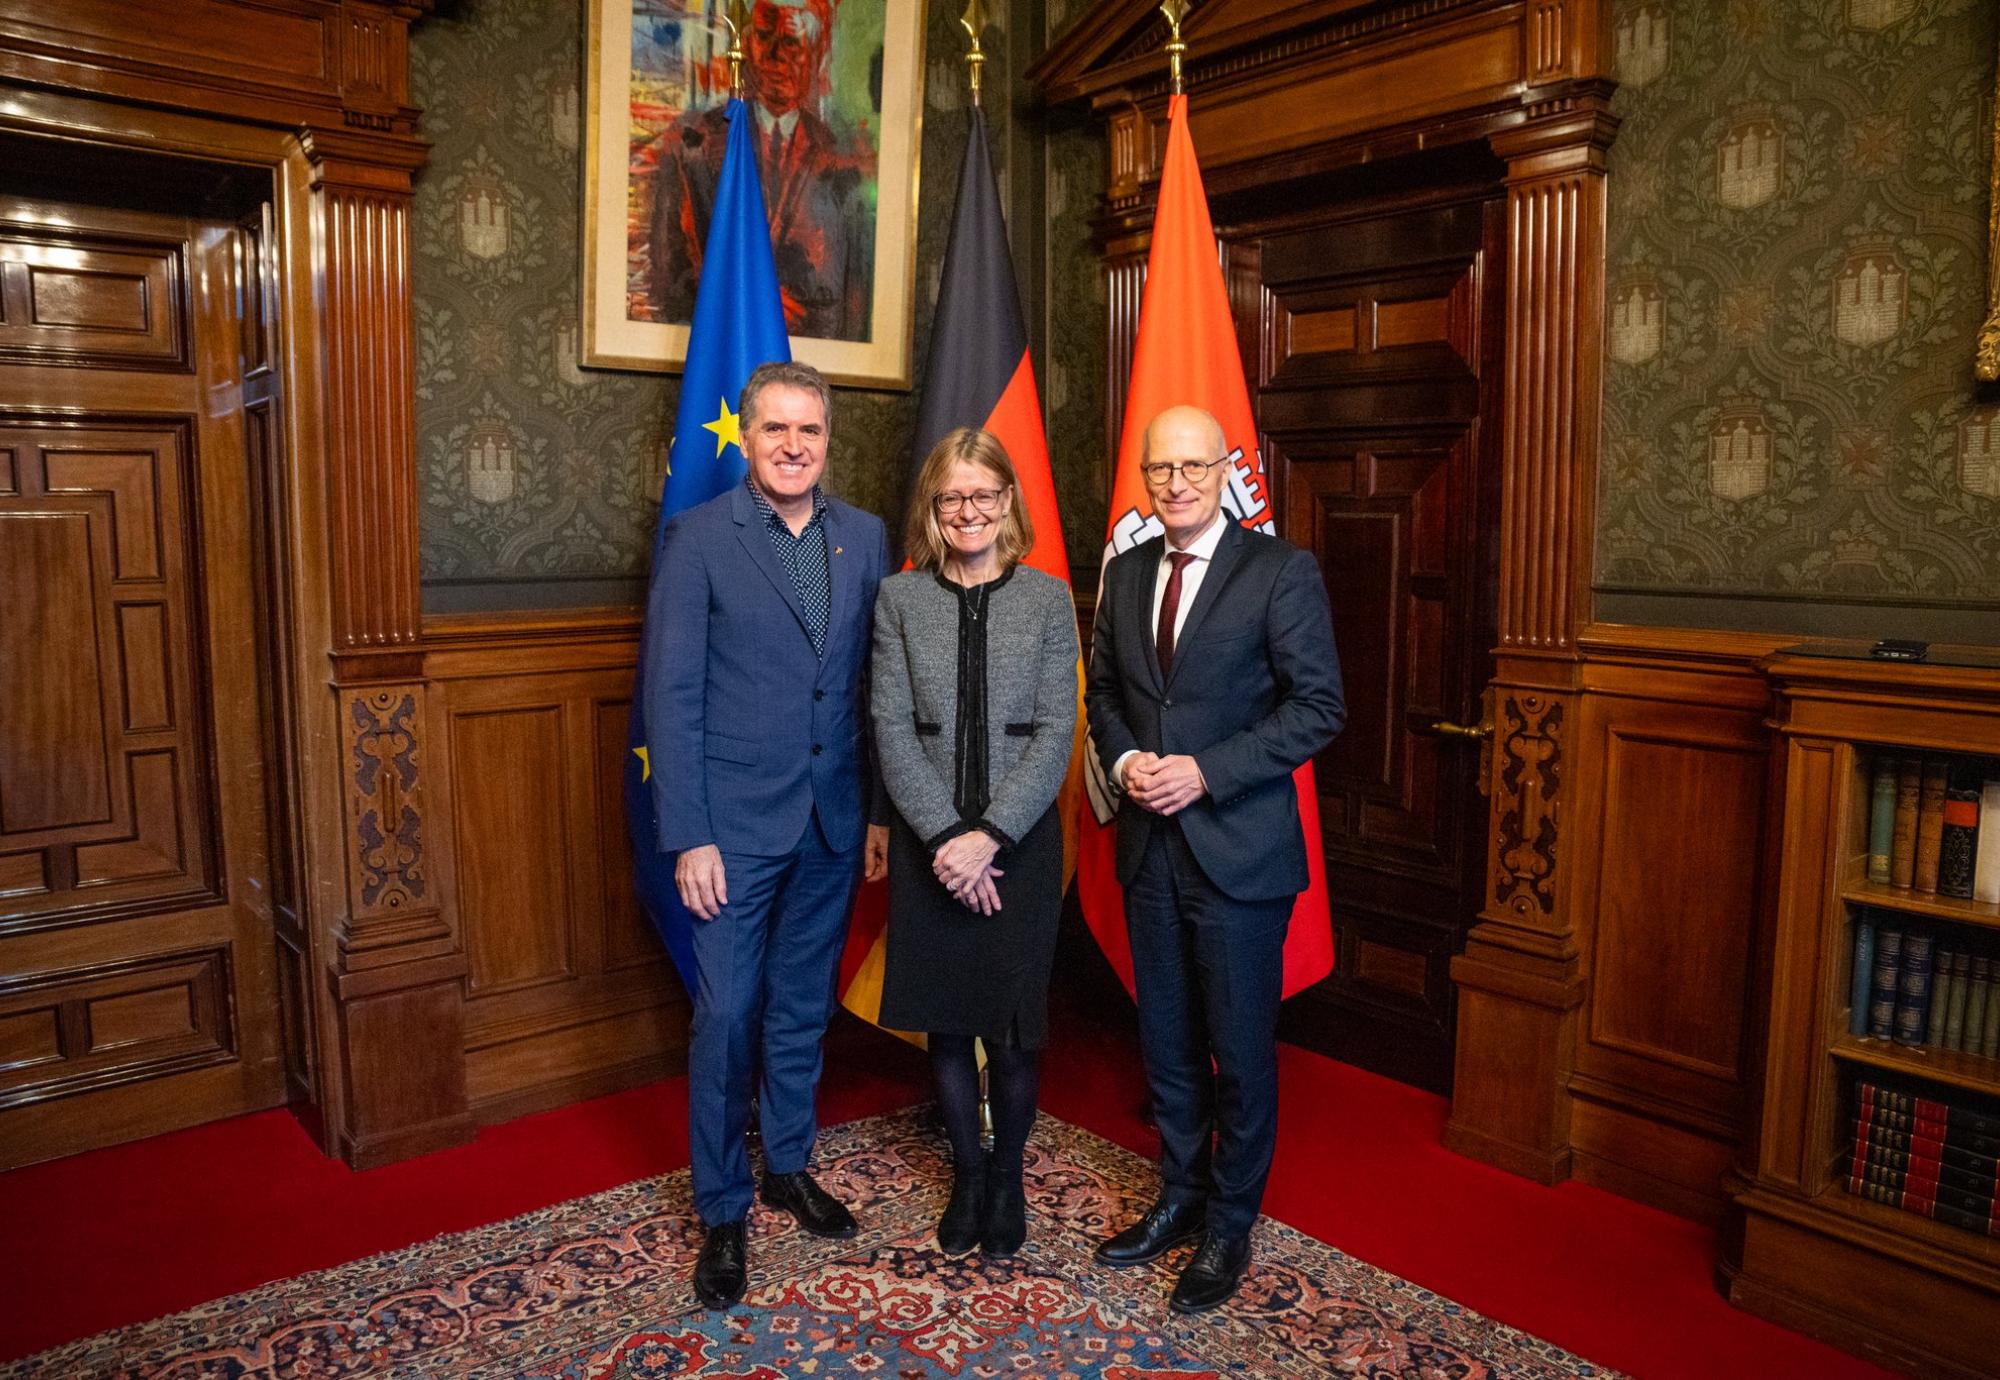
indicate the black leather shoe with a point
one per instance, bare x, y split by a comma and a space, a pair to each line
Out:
1212, 1276
1164, 1227
1006, 1222
818, 1211
719, 1271
958, 1230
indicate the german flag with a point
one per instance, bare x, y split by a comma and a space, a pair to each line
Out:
978, 374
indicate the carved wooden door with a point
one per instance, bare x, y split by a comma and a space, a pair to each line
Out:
137, 991
1379, 360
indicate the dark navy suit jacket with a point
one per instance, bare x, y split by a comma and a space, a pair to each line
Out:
749, 731
1254, 692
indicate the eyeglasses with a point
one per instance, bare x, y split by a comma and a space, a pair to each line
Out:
1160, 473
982, 500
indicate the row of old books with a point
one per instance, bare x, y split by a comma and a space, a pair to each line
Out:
1925, 1156
1934, 987
1934, 824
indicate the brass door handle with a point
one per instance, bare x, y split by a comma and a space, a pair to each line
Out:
1444, 728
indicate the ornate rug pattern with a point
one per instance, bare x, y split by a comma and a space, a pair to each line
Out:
597, 1289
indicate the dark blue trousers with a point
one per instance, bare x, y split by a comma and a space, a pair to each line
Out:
768, 965
1210, 972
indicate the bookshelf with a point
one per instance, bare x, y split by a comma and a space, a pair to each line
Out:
1848, 1144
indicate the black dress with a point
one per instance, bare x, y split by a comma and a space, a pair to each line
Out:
949, 969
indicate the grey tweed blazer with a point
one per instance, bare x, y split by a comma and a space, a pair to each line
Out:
1031, 694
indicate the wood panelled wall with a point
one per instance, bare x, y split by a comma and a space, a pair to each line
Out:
568, 992
1672, 758
1604, 991
442, 908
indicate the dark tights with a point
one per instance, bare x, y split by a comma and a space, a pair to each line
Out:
1012, 1079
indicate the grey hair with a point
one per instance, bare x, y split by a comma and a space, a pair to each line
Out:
787, 374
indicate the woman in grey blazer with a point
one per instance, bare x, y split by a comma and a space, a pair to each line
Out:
974, 696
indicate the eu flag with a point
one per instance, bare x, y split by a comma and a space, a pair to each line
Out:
739, 323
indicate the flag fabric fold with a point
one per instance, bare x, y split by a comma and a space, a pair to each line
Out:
978, 373
1186, 353
739, 323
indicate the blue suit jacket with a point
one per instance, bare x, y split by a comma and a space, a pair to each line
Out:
748, 730
1253, 693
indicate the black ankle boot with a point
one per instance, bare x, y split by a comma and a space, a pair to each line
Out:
958, 1230
1006, 1220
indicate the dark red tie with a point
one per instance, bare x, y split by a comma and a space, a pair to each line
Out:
1170, 606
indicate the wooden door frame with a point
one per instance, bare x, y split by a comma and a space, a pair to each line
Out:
325, 116
1286, 93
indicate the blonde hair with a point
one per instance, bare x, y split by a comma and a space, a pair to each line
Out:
923, 538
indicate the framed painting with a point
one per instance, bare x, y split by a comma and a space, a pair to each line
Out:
835, 87
1986, 358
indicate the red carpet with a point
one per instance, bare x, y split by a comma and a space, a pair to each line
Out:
136, 1231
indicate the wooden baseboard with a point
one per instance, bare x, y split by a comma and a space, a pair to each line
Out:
579, 1087
1528, 1161
406, 1142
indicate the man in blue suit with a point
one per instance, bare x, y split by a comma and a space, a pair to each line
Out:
762, 602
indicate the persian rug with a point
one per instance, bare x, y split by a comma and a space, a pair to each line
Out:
597, 1289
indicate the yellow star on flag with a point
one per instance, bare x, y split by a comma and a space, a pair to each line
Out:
725, 430
645, 764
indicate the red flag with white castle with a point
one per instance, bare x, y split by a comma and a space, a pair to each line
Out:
1186, 353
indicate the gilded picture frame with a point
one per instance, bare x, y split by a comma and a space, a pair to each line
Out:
1986, 361
836, 89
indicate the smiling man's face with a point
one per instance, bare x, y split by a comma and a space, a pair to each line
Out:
785, 442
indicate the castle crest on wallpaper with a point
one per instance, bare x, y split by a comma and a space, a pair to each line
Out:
1796, 273
832, 85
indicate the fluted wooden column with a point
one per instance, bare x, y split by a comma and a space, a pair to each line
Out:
394, 964
1520, 983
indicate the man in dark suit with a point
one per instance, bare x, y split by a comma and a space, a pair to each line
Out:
763, 606
1213, 677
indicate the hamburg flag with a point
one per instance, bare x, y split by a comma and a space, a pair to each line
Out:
1186, 352
739, 323
979, 374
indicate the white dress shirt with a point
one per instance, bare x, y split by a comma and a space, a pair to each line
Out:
1202, 548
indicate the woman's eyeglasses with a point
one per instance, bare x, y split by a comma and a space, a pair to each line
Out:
982, 500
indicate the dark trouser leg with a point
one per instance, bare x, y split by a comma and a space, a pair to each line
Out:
1172, 1020
955, 1072
1239, 951
801, 967
722, 1046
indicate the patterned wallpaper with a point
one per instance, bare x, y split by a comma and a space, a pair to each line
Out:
540, 480
1073, 343
1798, 223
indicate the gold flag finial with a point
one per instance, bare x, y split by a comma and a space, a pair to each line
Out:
973, 21
1175, 11
736, 14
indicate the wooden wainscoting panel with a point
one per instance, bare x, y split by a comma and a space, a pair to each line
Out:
510, 832
571, 993
1671, 769
1677, 888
